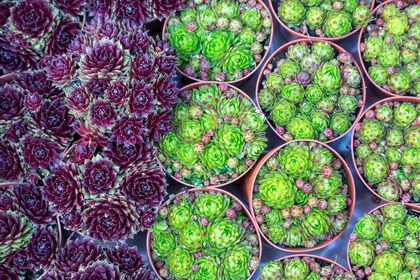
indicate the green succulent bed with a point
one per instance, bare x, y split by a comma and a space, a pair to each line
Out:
385, 244
220, 40
304, 268
390, 45
301, 196
387, 150
204, 235
323, 18
218, 135
311, 91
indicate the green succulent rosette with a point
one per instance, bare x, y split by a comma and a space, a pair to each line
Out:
272, 270
373, 48
293, 93
228, 9
230, 107
321, 156
276, 234
301, 128
188, 15
253, 120
379, 276
256, 148
394, 211
22, 235
292, 12
327, 187
400, 82
315, 16
208, 268
235, 261
397, 25
324, 50
169, 145
296, 269
361, 16
347, 103
378, 74
238, 59
207, 96
316, 223
252, 18
389, 262
180, 215
214, 157
336, 204
186, 43
295, 160
376, 168
191, 131
223, 233
180, 262
367, 227
337, 24
163, 243
211, 205
393, 231
320, 120
230, 139
205, 16
283, 112
371, 131
405, 114
216, 44
412, 224
277, 190
340, 122
192, 236
412, 260
187, 156
361, 253
328, 78
294, 236
289, 68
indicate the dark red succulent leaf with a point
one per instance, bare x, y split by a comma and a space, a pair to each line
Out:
10, 165
98, 271
127, 259
165, 8
15, 53
90, 133
79, 45
11, 103
53, 118
71, 7
76, 254
51, 276
99, 176
19, 260
32, 18
4, 12
138, 42
132, 10
2, 82
163, 46
60, 69
62, 35
97, 87
7, 273
110, 218
29, 199
16, 131
166, 64
37, 82
145, 275
102, 114
166, 92
39, 152
147, 219
78, 99
42, 247
83, 150
141, 98
117, 92
146, 185
102, 26
63, 188
143, 68
6, 202
33, 101
159, 123
32, 177
98, 7
11, 227
73, 220
128, 130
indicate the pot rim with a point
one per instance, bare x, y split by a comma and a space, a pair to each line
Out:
244, 209
284, 47
352, 195
324, 259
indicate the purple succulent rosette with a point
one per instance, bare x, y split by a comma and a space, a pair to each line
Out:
34, 28
29, 239
35, 126
385, 242
389, 46
311, 91
386, 147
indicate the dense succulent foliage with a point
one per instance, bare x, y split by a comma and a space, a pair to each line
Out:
218, 134
204, 235
301, 268
311, 91
29, 237
387, 149
301, 197
220, 40
30, 29
325, 19
35, 126
390, 47
385, 244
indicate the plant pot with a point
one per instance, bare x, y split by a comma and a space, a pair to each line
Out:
197, 85
246, 77
284, 48
362, 62
390, 99
293, 34
148, 241
250, 179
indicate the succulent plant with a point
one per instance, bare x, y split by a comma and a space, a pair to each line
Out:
381, 247
213, 240
220, 137
386, 150
219, 41
305, 193
308, 99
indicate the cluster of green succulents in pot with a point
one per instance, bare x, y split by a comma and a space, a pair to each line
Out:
220, 40
301, 268
385, 244
301, 196
387, 150
390, 48
324, 18
311, 91
218, 135
204, 235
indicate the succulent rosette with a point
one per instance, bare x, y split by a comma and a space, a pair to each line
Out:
304, 267
311, 91
34, 28
386, 150
389, 47
201, 234
300, 196
221, 41
218, 135
30, 233
384, 244
324, 19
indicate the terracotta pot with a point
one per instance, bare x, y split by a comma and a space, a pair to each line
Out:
300, 35
285, 47
373, 210
148, 241
362, 62
249, 182
390, 99
194, 86
60, 236
270, 40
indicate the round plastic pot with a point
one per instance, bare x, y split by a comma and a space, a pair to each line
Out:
248, 187
148, 241
285, 47
390, 99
